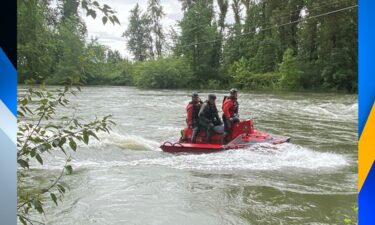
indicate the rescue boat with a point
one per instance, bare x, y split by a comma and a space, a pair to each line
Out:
243, 135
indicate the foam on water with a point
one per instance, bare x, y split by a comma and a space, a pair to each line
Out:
254, 158
129, 142
259, 157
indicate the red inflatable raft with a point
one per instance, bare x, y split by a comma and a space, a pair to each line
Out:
242, 135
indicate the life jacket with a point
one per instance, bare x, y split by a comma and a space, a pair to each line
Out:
195, 111
233, 109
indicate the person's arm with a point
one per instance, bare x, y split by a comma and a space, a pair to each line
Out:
189, 115
201, 113
226, 108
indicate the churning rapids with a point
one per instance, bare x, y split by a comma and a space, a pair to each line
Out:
127, 179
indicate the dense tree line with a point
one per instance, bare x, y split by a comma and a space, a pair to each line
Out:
272, 44
52, 46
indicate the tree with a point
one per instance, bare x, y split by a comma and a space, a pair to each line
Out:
223, 6
156, 13
186, 4
70, 54
328, 47
237, 16
197, 41
35, 41
138, 34
289, 72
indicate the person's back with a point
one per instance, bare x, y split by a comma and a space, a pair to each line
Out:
230, 113
192, 118
192, 111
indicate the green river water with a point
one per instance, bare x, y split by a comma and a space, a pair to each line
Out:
127, 179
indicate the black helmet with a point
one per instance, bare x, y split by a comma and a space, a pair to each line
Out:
194, 95
232, 91
211, 96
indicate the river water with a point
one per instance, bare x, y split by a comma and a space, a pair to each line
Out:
127, 179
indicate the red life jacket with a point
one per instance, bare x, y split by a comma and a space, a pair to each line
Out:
192, 111
230, 107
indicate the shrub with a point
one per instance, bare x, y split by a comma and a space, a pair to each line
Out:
290, 74
162, 73
244, 78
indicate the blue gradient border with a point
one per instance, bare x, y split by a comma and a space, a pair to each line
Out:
366, 96
8, 129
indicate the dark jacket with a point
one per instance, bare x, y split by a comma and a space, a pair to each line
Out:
209, 114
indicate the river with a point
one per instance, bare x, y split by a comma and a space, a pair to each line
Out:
127, 179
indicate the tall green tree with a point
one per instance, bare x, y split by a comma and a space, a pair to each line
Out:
197, 41
138, 34
36, 46
236, 7
328, 47
223, 8
156, 13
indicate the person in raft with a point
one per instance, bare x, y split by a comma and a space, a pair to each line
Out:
192, 111
209, 118
230, 113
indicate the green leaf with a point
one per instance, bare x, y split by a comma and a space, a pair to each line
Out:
37, 140
61, 188
40, 160
23, 221
37, 205
23, 163
84, 4
91, 133
62, 141
72, 144
53, 197
69, 169
86, 137
104, 19
116, 20
44, 101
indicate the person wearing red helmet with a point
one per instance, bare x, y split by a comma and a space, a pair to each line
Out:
230, 112
192, 119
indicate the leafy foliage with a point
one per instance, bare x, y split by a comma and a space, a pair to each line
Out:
162, 73
244, 78
156, 13
52, 47
197, 32
138, 34
38, 133
290, 74
51, 43
91, 7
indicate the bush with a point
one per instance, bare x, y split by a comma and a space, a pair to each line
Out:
115, 74
289, 71
244, 78
162, 73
